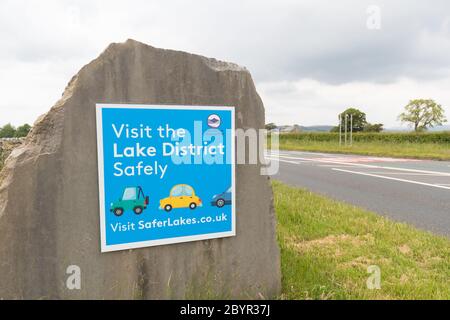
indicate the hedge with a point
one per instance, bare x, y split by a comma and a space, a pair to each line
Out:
388, 137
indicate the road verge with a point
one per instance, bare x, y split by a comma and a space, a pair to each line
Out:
332, 250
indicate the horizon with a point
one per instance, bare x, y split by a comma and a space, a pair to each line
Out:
405, 128
374, 55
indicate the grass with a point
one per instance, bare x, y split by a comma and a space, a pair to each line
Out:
327, 246
435, 151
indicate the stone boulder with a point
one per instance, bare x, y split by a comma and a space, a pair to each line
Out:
49, 208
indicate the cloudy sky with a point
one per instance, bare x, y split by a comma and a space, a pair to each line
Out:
310, 59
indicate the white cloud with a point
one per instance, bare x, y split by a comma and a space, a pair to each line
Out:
310, 102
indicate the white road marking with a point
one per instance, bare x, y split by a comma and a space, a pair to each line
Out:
391, 178
311, 153
335, 166
347, 158
411, 174
447, 174
280, 160
367, 165
287, 161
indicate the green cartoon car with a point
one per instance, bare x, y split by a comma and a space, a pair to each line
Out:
133, 198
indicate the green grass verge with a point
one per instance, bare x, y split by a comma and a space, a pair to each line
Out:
327, 246
433, 151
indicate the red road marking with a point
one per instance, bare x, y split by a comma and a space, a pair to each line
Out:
363, 159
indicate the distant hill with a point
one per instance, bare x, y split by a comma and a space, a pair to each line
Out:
298, 128
326, 128
441, 128
396, 129
316, 128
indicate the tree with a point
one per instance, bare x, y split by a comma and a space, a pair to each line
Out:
22, 131
359, 122
7, 131
423, 114
373, 127
271, 126
359, 119
334, 129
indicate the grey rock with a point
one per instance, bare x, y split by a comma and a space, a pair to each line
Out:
49, 192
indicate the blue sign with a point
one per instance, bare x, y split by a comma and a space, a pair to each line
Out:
166, 174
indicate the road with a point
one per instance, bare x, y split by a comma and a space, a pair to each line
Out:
412, 191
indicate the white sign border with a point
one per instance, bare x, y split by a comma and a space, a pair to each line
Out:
101, 180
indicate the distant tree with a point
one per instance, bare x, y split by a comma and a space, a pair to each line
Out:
359, 120
271, 126
334, 129
22, 131
423, 114
297, 128
7, 131
373, 127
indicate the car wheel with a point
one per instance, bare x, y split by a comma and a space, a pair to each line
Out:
192, 206
168, 207
138, 210
220, 203
118, 212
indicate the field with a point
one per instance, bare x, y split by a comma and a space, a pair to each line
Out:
421, 146
327, 247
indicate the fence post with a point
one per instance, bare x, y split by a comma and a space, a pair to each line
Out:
346, 128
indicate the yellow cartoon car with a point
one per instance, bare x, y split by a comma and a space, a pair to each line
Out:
181, 196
